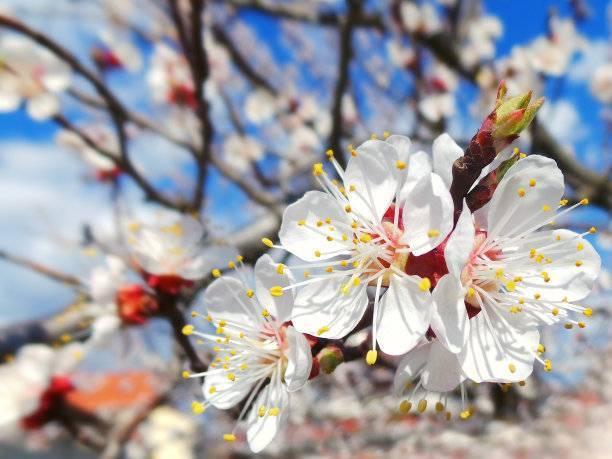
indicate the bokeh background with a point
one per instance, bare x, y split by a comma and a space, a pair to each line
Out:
287, 80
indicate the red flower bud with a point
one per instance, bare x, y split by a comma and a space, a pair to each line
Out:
135, 304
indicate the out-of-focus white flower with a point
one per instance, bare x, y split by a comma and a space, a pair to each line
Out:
551, 55
479, 43
172, 256
38, 372
601, 83
421, 19
360, 232
105, 168
242, 150
439, 101
401, 56
169, 77
260, 106
515, 278
254, 346
32, 74
117, 52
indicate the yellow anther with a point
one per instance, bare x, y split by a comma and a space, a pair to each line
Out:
522, 383
532, 253
539, 258
448, 415
515, 309
522, 155
317, 253
330, 153
265, 313
273, 411
280, 269
547, 365
243, 366
465, 414
471, 292
512, 368
250, 293
516, 151
231, 265
499, 273
405, 407
555, 311
216, 273
356, 281
563, 202
220, 330
580, 246
541, 349
212, 390
267, 242
344, 237
317, 169
239, 258
425, 284
365, 238
322, 330
592, 230
231, 377
439, 407
558, 237
584, 201
301, 222
433, 233
588, 312
578, 263
261, 411
545, 207
532, 182
518, 279
197, 407
353, 153
521, 192
345, 289
422, 405
188, 330
344, 263
510, 286
401, 165
306, 274
329, 269
521, 300
347, 208
229, 438
537, 296
371, 357
185, 374
319, 223
209, 318
568, 326
545, 276
581, 324
373, 136
352, 187
386, 134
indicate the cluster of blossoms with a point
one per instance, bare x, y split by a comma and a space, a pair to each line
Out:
458, 287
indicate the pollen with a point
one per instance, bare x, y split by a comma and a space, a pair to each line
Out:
330, 153
471, 292
212, 390
433, 233
250, 293
231, 265
187, 330
521, 192
532, 253
578, 263
365, 238
439, 407
465, 414
317, 253
546, 208
512, 368
580, 246
347, 209
563, 202
510, 286
317, 169
532, 183
545, 276
555, 311
230, 438
422, 405
280, 269
322, 330
185, 374
537, 296
353, 153
592, 230
352, 187
216, 273
588, 312
301, 222
356, 281
371, 357
329, 269
231, 377
261, 411
197, 407
273, 411
401, 165
547, 365
584, 201
265, 313
541, 349
386, 134
569, 326
405, 407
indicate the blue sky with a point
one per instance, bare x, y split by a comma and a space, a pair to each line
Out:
45, 191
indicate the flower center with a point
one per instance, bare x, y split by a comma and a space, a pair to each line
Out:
477, 273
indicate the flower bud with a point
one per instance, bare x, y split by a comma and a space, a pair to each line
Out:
483, 191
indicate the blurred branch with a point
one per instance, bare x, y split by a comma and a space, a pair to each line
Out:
342, 82
41, 269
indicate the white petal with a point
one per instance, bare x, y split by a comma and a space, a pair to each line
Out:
226, 393
419, 165
401, 143
510, 214
449, 319
43, 106
481, 359
9, 100
103, 329
428, 206
322, 304
403, 317
374, 175
445, 152
226, 299
299, 360
460, 243
266, 277
262, 430
204, 259
566, 280
409, 367
303, 241
442, 371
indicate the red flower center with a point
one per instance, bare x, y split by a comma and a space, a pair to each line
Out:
49, 402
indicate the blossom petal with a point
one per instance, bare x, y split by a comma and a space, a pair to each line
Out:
403, 317
299, 360
226, 299
268, 275
409, 367
372, 172
460, 243
428, 208
529, 187
303, 240
483, 361
261, 430
43, 106
204, 260
321, 309
402, 144
222, 393
442, 371
419, 165
449, 318
445, 152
